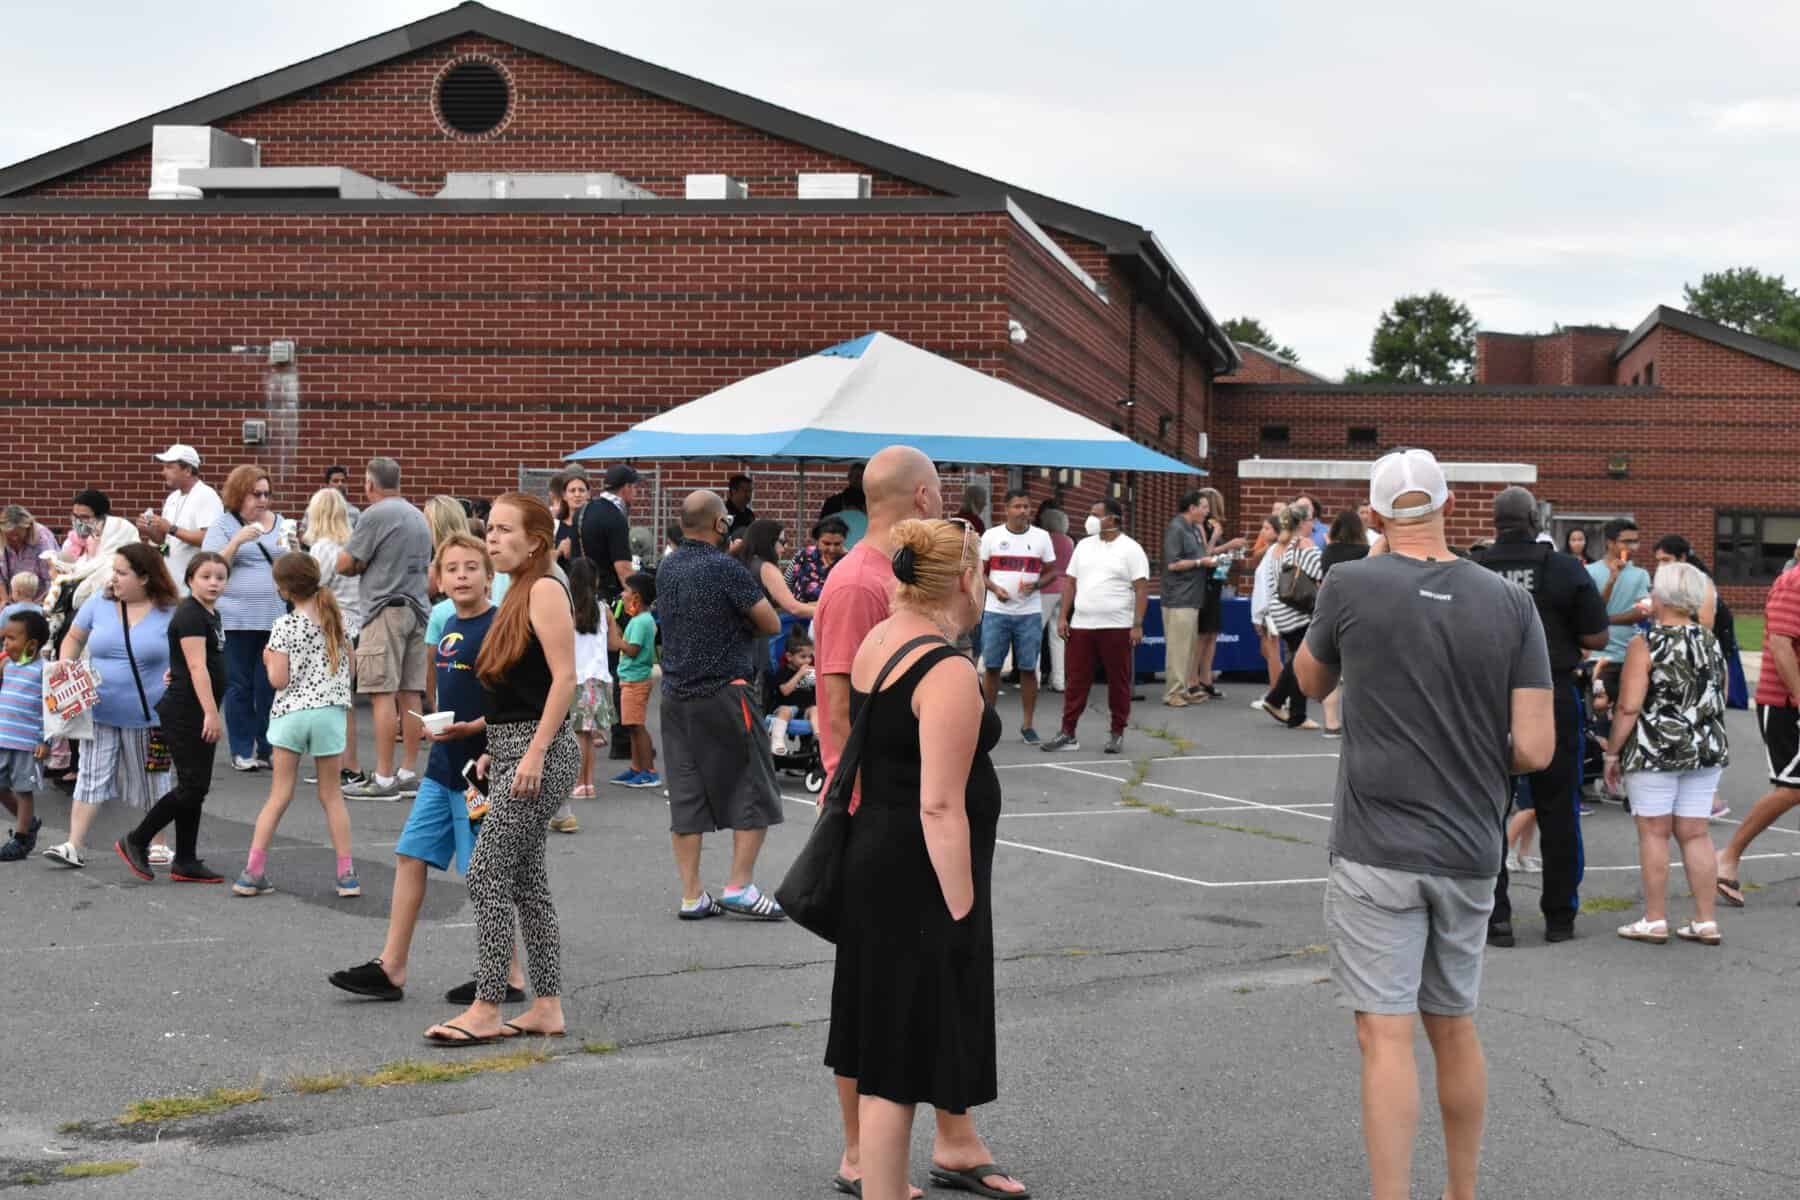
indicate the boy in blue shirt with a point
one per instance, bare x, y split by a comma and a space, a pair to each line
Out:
438, 828
22, 746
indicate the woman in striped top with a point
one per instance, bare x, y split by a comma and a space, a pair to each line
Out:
247, 535
1285, 701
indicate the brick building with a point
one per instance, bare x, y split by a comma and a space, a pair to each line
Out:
474, 337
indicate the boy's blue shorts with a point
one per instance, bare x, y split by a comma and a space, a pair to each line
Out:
438, 828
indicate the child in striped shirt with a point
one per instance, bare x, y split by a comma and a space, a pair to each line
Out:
22, 745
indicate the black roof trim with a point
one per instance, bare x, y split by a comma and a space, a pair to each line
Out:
1122, 239
1467, 391
426, 207
1712, 331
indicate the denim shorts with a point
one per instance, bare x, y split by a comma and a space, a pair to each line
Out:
315, 731
1022, 634
438, 830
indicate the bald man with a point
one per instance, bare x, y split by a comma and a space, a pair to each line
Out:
716, 755
900, 483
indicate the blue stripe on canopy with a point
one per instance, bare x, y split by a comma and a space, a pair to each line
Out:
832, 445
851, 349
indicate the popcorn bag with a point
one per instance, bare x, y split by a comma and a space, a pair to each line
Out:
71, 690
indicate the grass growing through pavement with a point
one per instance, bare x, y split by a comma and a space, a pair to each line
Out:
1168, 737
178, 1108
1252, 830
96, 1170
313, 1085
1599, 904
413, 1070
613, 1047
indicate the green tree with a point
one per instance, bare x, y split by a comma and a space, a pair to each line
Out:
1743, 298
1421, 339
1251, 332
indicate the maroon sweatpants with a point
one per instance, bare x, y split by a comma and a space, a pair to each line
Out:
1088, 648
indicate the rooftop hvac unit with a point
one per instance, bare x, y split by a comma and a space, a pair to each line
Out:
716, 187
540, 185
833, 186
329, 183
175, 147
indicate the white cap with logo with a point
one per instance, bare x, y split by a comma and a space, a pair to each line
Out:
1403, 472
179, 453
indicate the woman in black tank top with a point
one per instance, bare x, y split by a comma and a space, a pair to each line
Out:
527, 668
912, 999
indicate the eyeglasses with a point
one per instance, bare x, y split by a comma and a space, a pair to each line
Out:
968, 528
261, 493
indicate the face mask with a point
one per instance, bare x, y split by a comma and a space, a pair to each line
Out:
1093, 526
85, 528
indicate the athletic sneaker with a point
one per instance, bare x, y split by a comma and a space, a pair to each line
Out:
347, 886
1115, 744
20, 845
135, 857
406, 783
565, 823
67, 854
627, 778
369, 979
1029, 736
194, 872
161, 855
243, 764
1512, 862
252, 885
646, 779
1531, 865
373, 789
1062, 741
348, 777
699, 910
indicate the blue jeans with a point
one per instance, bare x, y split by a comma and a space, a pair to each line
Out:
248, 696
1021, 634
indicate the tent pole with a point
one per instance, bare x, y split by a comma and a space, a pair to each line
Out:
801, 529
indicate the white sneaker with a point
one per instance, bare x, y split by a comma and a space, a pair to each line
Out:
66, 854
161, 856
1532, 866
242, 764
1512, 862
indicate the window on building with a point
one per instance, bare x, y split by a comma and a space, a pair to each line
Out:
1163, 425
1650, 374
1364, 435
1275, 435
1753, 547
1634, 379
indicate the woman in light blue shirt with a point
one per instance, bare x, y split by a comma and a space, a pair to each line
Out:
248, 537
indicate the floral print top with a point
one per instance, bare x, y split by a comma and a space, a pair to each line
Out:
1682, 724
806, 575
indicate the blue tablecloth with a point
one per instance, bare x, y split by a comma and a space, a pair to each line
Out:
1239, 649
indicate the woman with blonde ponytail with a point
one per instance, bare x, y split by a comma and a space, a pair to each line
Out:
912, 1001
308, 660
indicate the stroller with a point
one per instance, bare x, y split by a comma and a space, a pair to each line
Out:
803, 756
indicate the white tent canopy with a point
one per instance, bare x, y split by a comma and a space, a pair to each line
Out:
846, 403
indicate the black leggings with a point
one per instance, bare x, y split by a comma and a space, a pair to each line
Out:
193, 756
1286, 692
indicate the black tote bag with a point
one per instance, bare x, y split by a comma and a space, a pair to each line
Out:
812, 892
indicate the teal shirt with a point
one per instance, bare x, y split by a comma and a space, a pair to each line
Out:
1633, 585
639, 632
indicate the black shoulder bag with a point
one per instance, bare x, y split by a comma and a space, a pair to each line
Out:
156, 750
812, 893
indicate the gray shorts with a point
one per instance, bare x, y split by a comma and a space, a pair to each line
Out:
1402, 942
19, 771
716, 760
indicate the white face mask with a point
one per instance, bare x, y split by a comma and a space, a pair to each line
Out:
1093, 526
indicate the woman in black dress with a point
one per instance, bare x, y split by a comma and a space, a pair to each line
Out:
912, 1000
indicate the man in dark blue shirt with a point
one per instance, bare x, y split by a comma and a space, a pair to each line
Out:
715, 751
1575, 621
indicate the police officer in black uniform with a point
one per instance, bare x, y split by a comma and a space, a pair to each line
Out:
1574, 619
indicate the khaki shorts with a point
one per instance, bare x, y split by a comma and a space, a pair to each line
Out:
634, 703
391, 652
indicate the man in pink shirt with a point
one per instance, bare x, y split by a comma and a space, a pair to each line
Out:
900, 483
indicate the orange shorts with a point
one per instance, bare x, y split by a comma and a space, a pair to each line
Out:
634, 703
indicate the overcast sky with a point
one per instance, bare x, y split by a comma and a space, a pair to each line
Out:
1305, 162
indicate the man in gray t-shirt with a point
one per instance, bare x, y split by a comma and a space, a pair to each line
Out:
1446, 692
391, 549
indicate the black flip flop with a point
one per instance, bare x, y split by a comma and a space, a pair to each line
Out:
467, 1038
519, 1031
850, 1187
969, 1180
464, 993
1731, 892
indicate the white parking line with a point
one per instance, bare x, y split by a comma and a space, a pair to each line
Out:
1122, 811
1103, 762
1169, 787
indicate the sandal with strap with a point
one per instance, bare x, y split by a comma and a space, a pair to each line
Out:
1640, 930
1704, 932
970, 1180
754, 903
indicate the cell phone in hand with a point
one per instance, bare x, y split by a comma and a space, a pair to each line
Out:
475, 781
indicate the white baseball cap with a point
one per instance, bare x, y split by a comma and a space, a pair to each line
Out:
180, 453
1404, 471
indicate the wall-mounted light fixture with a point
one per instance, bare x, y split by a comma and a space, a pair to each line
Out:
1619, 466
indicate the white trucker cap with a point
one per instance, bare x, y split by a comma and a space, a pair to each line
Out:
1402, 472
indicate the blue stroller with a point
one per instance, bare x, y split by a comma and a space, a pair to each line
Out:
803, 756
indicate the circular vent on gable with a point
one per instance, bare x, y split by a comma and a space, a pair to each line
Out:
473, 98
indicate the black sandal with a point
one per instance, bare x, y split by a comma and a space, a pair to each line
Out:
467, 1038
370, 979
970, 1180
464, 993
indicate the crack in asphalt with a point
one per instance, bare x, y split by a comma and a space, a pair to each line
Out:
258, 1180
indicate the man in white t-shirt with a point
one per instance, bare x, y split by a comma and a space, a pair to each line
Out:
1102, 618
187, 514
1019, 559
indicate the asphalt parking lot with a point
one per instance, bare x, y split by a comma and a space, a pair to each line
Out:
1167, 1027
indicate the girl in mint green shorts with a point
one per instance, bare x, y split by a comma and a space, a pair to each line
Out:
308, 660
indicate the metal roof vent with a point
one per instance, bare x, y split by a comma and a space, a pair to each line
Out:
833, 185
716, 187
473, 98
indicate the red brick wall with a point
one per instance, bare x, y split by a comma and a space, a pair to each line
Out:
381, 122
1575, 357
1266, 368
1590, 356
1500, 358
1691, 366
1470, 520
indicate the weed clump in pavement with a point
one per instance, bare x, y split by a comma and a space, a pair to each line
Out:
312, 1085
161, 1109
96, 1170
414, 1070
1596, 904
613, 1047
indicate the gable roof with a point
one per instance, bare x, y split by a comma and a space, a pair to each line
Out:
1285, 363
1712, 331
1143, 256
